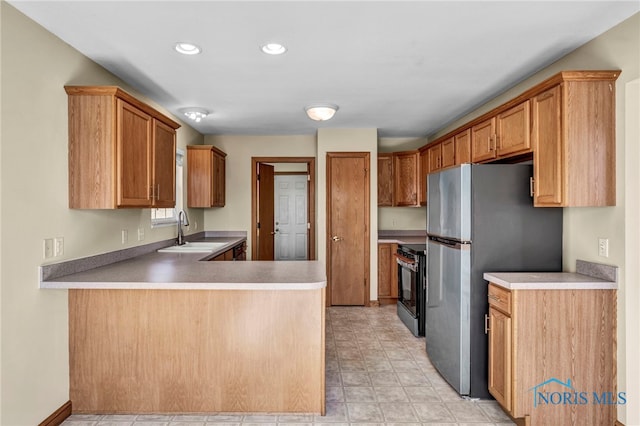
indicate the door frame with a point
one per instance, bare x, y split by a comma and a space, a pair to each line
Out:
311, 197
367, 246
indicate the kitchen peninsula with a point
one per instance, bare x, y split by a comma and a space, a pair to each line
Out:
169, 333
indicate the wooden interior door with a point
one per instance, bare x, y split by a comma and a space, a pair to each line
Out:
348, 227
266, 230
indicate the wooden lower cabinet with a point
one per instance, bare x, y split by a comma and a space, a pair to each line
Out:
500, 358
238, 252
552, 355
387, 273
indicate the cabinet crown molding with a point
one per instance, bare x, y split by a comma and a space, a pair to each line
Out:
117, 92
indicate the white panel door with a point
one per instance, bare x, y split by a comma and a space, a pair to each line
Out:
290, 200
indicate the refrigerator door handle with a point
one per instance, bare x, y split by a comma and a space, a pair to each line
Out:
457, 245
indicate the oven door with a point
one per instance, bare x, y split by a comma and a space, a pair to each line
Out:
408, 282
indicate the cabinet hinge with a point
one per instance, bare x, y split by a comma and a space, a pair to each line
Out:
365, 172
258, 225
308, 225
258, 177
308, 178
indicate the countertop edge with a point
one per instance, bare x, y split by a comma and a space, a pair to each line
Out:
316, 285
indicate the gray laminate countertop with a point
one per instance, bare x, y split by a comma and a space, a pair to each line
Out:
548, 281
191, 271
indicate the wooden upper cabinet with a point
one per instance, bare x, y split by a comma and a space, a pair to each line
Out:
405, 179
422, 176
514, 130
483, 141
385, 179
121, 151
164, 165
463, 147
574, 142
435, 157
548, 156
205, 176
134, 163
448, 153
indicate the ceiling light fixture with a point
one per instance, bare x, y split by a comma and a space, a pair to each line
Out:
273, 49
321, 112
187, 48
195, 114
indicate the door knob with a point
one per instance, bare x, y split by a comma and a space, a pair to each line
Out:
336, 238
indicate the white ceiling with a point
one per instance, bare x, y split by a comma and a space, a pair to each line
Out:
406, 68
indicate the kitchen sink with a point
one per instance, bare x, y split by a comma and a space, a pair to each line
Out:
197, 247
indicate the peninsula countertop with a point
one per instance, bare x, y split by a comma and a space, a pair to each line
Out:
191, 271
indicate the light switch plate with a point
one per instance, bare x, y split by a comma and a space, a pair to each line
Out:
140, 234
47, 248
603, 247
125, 236
58, 246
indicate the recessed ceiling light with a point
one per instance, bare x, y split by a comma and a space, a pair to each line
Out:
273, 49
321, 112
195, 113
187, 48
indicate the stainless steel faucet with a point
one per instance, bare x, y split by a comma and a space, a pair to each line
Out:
182, 214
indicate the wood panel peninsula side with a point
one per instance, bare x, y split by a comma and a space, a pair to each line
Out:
169, 333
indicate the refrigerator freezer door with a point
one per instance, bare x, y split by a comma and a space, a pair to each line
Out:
449, 203
447, 325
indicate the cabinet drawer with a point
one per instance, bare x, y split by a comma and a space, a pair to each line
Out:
500, 298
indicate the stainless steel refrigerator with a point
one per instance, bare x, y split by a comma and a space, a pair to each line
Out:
480, 218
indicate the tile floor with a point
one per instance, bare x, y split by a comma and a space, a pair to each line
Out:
378, 373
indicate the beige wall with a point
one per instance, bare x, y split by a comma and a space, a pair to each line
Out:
34, 353
236, 214
630, 293
618, 48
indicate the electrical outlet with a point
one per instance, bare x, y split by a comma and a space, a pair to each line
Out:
58, 246
195, 225
125, 236
140, 234
603, 247
48, 248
